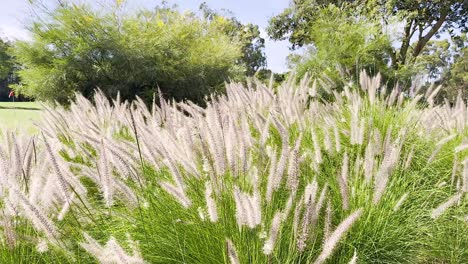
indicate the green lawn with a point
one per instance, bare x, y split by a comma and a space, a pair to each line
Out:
19, 115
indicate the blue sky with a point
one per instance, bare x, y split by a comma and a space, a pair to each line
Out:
16, 15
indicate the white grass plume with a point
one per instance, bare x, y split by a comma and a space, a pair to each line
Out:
331, 242
271, 175
444, 206
293, 166
65, 208
336, 132
9, 231
177, 193
465, 176
281, 165
248, 208
105, 174
36, 215
434, 154
389, 162
446, 140
42, 246
63, 183
461, 148
400, 202
111, 253
210, 203
327, 140
354, 258
343, 182
328, 220
409, 158
272, 237
297, 215
232, 252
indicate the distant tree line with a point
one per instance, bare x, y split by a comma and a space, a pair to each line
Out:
186, 56
8, 69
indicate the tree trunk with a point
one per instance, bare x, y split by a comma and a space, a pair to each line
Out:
405, 43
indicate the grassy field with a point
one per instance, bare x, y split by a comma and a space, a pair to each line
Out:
19, 115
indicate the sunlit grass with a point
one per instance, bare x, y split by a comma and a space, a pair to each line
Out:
19, 115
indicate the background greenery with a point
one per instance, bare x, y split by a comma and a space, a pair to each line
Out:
78, 48
401, 39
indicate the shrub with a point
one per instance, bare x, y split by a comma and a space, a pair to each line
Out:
78, 50
255, 177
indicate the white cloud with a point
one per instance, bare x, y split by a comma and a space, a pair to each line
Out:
14, 33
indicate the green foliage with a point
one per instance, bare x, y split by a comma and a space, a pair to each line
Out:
6, 62
341, 52
248, 35
78, 49
296, 21
455, 75
365, 32
265, 76
458, 76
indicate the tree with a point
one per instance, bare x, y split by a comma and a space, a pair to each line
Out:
422, 21
6, 61
457, 79
265, 76
455, 75
79, 49
248, 35
8, 69
341, 52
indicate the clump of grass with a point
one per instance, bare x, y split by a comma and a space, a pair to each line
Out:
258, 176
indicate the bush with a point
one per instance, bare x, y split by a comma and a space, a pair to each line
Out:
78, 50
255, 177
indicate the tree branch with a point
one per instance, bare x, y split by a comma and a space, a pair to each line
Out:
423, 40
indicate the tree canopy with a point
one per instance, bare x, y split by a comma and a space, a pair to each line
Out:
80, 49
365, 31
248, 35
6, 62
342, 51
190, 55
